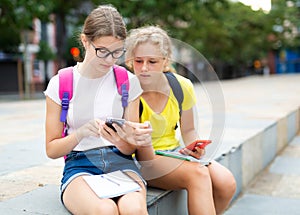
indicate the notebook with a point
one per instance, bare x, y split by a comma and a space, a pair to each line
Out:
112, 184
178, 155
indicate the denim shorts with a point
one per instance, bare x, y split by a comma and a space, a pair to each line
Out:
96, 162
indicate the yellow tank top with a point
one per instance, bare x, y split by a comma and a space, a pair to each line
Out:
163, 124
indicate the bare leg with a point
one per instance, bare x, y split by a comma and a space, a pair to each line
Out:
224, 186
135, 202
187, 175
80, 199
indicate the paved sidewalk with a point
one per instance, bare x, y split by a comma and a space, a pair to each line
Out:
276, 190
26, 174
29, 181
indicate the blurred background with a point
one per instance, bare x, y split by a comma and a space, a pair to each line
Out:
238, 38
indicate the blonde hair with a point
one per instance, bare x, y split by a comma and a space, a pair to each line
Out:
153, 34
104, 20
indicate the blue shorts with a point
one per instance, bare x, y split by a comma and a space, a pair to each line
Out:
95, 162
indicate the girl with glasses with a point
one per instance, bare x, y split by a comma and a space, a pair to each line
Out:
91, 147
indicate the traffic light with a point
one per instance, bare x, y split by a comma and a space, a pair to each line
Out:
75, 52
257, 64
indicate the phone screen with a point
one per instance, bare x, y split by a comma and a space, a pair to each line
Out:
109, 121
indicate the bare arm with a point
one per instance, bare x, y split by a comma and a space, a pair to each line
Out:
140, 136
187, 127
189, 133
56, 146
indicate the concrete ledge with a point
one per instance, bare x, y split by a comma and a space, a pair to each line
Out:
262, 116
46, 200
245, 162
256, 153
162, 202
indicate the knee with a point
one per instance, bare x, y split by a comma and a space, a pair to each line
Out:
198, 174
203, 172
228, 188
231, 186
127, 207
137, 209
106, 206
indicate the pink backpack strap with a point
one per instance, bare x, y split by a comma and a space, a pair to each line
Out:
122, 82
65, 94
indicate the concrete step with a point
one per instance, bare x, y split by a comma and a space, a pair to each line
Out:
275, 190
256, 153
46, 200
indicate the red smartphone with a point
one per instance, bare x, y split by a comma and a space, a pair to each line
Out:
197, 143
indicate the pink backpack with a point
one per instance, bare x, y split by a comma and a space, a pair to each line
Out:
66, 90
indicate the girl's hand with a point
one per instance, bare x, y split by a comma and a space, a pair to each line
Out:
109, 134
138, 134
91, 128
141, 133
196, 154
142, 138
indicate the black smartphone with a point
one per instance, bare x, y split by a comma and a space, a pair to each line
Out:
110, 120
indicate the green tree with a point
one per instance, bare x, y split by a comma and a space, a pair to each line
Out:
16, 16
67, 13
45, 54
285, 21
225, 32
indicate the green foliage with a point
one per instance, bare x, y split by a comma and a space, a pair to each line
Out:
222, 30
45, 53
285, 20
16, 16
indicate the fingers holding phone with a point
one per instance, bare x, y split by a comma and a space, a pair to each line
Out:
142, 133
131, 132
198, 153
196, 148
111, 122
108, 131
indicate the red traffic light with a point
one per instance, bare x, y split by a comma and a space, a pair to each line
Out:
257, 64
75, 52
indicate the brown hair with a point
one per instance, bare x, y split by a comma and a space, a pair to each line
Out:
104, 20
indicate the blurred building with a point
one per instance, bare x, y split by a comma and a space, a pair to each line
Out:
23, 72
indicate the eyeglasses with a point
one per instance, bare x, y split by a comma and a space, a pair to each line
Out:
103, 52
